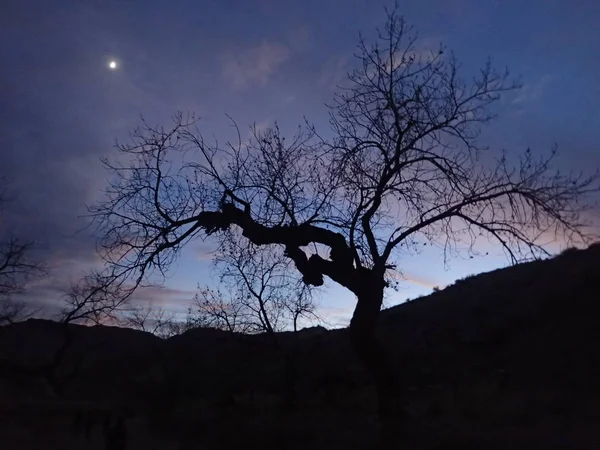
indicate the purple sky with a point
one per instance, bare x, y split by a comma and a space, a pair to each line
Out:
256, 60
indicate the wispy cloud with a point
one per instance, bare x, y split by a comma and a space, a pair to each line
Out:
300, 39
416, 279
287, 101
205, 250
336, 317
254, 65
533, 91
333, 72
164, 296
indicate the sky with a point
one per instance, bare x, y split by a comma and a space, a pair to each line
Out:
258, 61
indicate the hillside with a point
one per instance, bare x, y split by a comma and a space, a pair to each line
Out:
506, 359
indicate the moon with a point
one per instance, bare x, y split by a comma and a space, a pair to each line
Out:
112, 65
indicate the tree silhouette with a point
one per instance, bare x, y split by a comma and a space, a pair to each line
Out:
17, 267
150, 319
265, 296
95, 299
405, 167
264, 293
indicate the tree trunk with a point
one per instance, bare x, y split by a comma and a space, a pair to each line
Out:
363, 328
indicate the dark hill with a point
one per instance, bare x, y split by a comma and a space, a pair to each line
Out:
506, 359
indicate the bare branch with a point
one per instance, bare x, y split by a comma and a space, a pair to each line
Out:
150, 319
12, 311
96, 299
265, 293
17, 268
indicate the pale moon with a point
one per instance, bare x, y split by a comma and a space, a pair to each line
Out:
112, 65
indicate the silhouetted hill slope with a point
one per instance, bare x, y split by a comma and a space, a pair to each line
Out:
508, 358
534, 317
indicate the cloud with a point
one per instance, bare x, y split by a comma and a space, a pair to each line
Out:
336, 317
287, 101
163, 296
46, 293
204, 250
254, 66
531, 92
415, 279
300, 39
335, 69
333, 72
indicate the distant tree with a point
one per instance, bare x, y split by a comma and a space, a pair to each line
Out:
405, 167
17, 267
264, 293
212, 308
95, 299
13, 311
150, 319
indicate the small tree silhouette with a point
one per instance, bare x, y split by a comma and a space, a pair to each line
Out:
151, 319
94, 299
265, 295
17, 267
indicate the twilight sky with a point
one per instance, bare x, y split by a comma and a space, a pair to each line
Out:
61, 106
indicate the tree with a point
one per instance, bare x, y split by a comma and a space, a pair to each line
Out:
405, 167
96, 298
17, 267
150, 319
264, 293
13, 311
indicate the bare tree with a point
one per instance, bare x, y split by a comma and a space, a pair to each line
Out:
94, 299
212, 308
97, 298
150, 319
302, 305
12, 311
17, 267
405, 168
265, 295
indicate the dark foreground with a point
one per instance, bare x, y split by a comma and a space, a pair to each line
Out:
508, 359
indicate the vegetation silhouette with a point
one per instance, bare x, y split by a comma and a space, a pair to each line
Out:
17, 266
404, 167
498, 359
